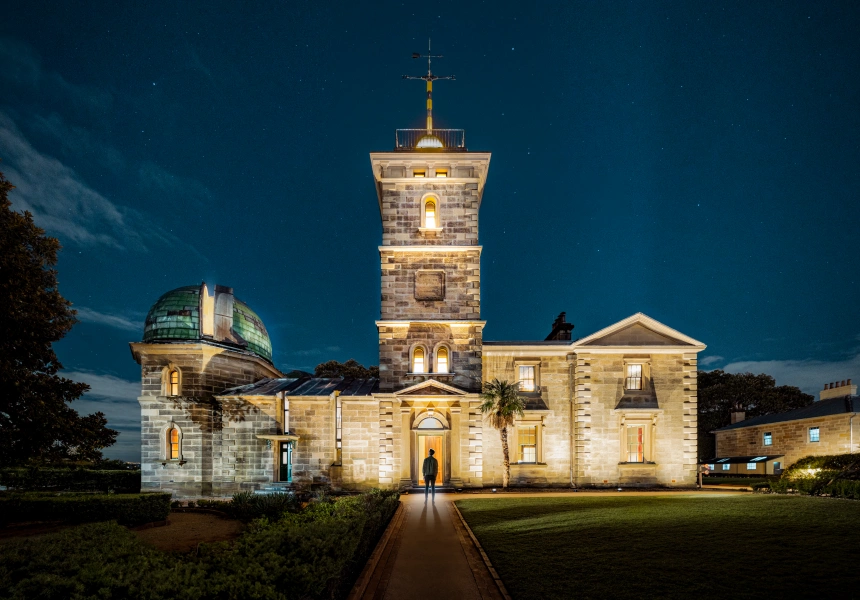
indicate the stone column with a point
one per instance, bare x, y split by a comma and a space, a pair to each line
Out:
405, 445
456, 480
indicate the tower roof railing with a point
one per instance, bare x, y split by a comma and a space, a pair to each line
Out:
432, 140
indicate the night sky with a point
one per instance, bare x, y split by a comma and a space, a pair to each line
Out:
698, 162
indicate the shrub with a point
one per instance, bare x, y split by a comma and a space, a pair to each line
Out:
127, 509
314, 553
815, 475
78, 480
247, 506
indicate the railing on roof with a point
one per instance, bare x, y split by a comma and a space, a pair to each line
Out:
439, 140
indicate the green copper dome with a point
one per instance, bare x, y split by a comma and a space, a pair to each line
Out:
176, 316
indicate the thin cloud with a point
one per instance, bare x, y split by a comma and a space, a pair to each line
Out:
709, 360
88, 315
809, 375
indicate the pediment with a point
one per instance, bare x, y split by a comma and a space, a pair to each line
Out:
431, 387
639, 330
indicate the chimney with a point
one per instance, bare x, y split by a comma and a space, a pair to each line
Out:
738, 416
560, 329
838, 389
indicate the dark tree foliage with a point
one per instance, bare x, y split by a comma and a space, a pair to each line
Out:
351, 368
722, 393
36, 421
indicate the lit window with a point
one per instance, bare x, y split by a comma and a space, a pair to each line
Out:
173, 443
442, 360
768, 439
527, 378
712, 467
726, 466
634, 377
441, 172
418, 360
338, 430
813, 434
527, 442
776, 465
430, 215
636, 444
430, 423
419, 173
173, 385
751, 466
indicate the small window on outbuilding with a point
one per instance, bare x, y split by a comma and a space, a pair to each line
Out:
751, 466
726, 466
768, 438
814, 434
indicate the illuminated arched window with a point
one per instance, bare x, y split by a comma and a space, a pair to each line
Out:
173, 383
430, 214
173, 444
418, 356
442, 360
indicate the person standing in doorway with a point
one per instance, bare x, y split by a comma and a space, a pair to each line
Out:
430, 469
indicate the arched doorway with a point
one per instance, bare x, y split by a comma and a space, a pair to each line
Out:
431, 431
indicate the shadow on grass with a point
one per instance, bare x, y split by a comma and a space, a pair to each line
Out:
670, 547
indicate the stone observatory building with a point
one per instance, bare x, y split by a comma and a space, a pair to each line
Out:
614, 408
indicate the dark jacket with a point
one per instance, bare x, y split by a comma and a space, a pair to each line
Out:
430, 468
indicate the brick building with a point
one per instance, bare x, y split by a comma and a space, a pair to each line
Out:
617, 407
829, 426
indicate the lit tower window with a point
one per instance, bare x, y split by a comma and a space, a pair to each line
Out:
418, 360
442, 360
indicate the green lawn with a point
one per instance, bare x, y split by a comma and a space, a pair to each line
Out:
703, 546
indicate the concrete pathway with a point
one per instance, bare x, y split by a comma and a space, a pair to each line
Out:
429, 555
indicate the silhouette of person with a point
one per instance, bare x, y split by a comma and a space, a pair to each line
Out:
430, 469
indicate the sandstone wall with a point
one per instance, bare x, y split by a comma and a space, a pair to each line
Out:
457, 213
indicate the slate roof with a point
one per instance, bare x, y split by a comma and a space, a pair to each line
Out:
740, 460
307, 386
822, 408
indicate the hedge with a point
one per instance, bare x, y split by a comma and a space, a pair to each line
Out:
126, 509
813, 475
313, 554
78, 480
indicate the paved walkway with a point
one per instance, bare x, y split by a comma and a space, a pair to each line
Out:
429, 555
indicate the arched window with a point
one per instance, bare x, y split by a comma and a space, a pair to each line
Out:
173, 383
430, 214
442, 360
418, 355
173, 444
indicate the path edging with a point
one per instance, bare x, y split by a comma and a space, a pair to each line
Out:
370, 567
484, 556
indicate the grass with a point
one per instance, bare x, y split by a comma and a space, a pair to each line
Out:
702, 546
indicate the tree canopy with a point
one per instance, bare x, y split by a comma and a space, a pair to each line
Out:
36, 421
350, 368
722, 393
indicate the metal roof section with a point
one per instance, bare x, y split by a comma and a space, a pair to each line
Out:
307, 386
822, 408
740, 460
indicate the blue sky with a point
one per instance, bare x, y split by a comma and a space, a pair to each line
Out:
693, 161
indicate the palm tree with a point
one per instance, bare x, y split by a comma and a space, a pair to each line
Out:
502, 404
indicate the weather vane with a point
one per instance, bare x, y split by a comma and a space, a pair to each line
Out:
429, 78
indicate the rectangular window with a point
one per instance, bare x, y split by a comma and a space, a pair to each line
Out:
813, 434
712, 467
726, 466
768, 439
634, 377
419, 173
286, 416
776, 465
441, 172
338, 441
636, 444
527, 441
751, 466
527, 378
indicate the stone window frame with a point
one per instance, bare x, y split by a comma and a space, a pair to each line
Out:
528, 362
412, 351
164, 438
645, 361
649, 423
529, 421
425, 199
166, 373
435, 363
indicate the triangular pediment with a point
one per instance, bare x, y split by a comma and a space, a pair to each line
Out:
639, 331
431, 387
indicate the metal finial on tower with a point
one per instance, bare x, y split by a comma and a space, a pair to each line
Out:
429, 78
